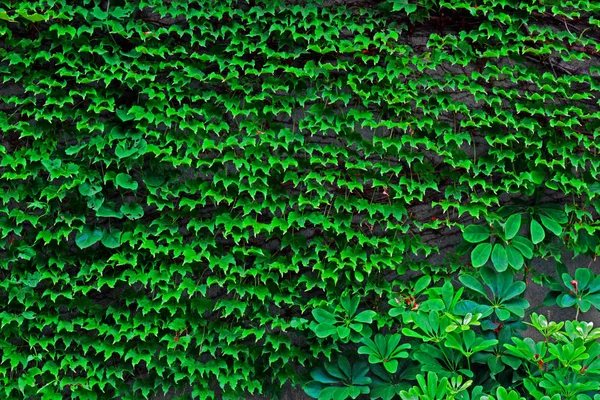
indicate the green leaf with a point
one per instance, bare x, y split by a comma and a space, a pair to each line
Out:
319, 375
107, 211
323, 316
313, 389
126, 181
499, 258
403, 5
551, 225
124, 115
476, 233
472, 284
481, 254
32, 280
524, 245
88, 189
502, 314
324, 330
343, 331
33, 17
123, 152
366, 317
4, 16
512, 226
391, 366
132, 210
154, 180
87, 237
515, 258
422, 284
112, 238
566, 300
99, 14
537, 232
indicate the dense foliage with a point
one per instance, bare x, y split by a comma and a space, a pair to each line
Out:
209, 199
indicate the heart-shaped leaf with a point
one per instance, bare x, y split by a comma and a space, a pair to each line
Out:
89, 189
112, 238
126, 181
88, 237
132, 210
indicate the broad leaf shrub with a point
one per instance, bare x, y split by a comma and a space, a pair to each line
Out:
209, 199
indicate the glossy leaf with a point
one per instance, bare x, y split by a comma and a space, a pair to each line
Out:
481, 254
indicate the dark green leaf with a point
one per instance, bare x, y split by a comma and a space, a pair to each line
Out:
524, 245
126, 181
499, 258
512, 226
481, 254
514, 257
324, 330
472, 284
112, 238
476, 233
551, 225
88, 237
319, 375
132, 210
537, 232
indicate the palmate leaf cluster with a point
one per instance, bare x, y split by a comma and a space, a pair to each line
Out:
183, 184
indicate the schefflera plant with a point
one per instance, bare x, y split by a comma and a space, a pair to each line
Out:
501, 242
565, 363
580, 290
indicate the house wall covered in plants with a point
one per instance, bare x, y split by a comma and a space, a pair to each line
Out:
215, 199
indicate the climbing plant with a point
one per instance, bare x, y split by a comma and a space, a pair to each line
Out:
214, 198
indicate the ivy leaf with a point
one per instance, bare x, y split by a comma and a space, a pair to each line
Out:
107, 211
112, 238
32, 280
88, 189
33, 17
124, 115
99, 14
126, 181
512, 226
122, 151
476, 233
499, 258
132, 210
4, 16
481, 254
403, 5
154, 180
88, 237
537, 232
